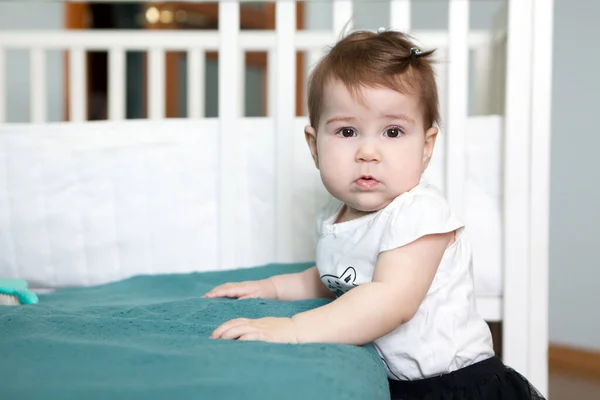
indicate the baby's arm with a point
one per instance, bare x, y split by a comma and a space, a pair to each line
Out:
301, 286
297, 286
401, 280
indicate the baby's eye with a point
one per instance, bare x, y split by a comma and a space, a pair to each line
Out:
347, 132
393, 132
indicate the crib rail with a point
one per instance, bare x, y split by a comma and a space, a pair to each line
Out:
195, 44
281, 45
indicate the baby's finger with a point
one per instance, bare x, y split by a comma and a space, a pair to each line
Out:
218, 333
248, 296
239, 330
225, 290
251, 336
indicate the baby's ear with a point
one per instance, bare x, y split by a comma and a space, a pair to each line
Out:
310, 134
430, 137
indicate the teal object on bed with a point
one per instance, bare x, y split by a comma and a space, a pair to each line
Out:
147, 338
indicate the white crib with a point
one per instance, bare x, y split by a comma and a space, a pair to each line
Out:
493, 166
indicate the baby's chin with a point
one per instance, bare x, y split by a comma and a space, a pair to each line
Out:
368, 203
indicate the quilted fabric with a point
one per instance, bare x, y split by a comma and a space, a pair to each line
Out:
148, 338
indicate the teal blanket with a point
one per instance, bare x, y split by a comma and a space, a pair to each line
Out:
147, 338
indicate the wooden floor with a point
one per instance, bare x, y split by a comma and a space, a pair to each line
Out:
567, 387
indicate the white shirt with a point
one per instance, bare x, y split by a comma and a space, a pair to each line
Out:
446, 333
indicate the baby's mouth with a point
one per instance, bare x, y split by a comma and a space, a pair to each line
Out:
366, 182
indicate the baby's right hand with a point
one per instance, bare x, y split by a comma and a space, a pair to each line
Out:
245, 290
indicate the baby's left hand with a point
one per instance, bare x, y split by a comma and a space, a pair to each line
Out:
270, 329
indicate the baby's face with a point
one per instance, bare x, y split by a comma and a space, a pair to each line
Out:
370, 148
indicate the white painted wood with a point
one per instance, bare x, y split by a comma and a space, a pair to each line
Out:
183, 40
342, 18
229, 119
77, 85
116, 84
543, 20
400, 17
241, 71
196, 72
490, 308
37, 82
457, 105
285, 21
156, 83
516, 203
2, 86
271, 83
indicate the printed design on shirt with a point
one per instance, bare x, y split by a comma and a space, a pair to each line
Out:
342, 284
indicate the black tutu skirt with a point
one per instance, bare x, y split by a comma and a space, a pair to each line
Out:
487, 380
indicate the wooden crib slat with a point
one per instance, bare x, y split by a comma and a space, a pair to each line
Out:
516, 187
116, 84
400, 15
342, 17
271, 83
229, 115
196, 72
540, 192
285, 69
458, 54
77, 84
37, 73
156, 83
241, 70
2, 86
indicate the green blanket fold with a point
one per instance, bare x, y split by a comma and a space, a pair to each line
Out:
147, 338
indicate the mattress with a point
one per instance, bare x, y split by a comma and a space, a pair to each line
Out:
148, 338
90, 203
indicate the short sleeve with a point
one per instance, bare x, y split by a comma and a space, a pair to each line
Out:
416, 215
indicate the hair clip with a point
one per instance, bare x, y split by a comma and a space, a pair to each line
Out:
415, 52
381, 29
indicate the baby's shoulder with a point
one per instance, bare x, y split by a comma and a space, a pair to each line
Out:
419, 212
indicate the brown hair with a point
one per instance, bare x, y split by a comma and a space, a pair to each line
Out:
387, 59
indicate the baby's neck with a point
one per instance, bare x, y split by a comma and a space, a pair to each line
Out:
348, 214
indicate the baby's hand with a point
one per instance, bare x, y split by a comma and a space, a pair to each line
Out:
269, 329
245, 290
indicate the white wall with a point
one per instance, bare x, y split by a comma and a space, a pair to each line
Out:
32, 15
575, 176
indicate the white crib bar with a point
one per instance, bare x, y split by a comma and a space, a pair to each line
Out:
285, 21
400, 15
116, 84
271, 82
196, 72
516, 202
77, 74
241, 70
540, 192
457, 104
37, 88
229, 115
342, 18
156, 83
2, 86
208, 40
